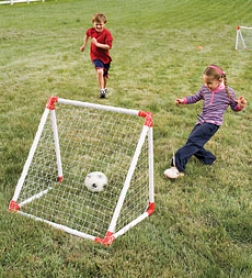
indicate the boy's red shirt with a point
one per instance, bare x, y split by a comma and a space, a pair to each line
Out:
103, 37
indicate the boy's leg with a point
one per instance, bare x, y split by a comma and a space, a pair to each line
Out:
105, 75
101, 83
105, 82
99, 73
196, 140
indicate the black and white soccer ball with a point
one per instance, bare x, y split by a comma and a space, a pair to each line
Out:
96, 181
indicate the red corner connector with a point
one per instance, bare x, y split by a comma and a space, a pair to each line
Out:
107, 240
151, 208
51, 103
148, 118
60, 179
13, 206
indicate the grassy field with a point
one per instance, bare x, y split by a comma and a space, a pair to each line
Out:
202, 226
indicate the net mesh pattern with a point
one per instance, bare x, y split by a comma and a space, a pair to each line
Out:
247, 38
90, 140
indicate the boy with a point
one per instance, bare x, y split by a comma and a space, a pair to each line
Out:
101, 42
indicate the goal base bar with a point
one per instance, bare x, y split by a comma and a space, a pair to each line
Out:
109, 238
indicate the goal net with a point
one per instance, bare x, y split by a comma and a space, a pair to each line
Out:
243, 38
73, 139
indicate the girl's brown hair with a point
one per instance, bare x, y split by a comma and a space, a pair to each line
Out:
216, 72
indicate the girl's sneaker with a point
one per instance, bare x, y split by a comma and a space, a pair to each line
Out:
173, 173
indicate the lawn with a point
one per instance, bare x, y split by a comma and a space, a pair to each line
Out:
202, 224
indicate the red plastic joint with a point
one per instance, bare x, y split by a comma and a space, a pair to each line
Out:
238, 27
107, 240
151, 208
51, 103
148, 118
14, 206
60, 179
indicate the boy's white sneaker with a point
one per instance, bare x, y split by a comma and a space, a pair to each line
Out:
103, 93
173, 173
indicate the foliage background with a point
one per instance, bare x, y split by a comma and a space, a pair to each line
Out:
202, 225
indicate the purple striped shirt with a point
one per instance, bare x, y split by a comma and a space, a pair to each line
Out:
215, 104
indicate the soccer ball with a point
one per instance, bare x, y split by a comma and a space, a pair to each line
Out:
96, 181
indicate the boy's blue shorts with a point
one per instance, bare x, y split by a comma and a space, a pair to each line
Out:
100, 65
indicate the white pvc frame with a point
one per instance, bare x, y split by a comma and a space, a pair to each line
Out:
19, 1
147, 132
239, 36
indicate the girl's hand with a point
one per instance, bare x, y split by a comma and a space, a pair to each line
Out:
241, 102
179, 101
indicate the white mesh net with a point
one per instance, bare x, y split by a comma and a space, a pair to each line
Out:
244, 39
90, 140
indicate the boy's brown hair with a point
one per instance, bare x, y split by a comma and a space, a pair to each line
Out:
99, 17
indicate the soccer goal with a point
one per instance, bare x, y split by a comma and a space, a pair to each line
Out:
243, 38
73, 139
18, 1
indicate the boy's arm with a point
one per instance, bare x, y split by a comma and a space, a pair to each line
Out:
85, 41
107, 42
100, 45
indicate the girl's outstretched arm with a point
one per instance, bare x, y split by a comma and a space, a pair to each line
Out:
179, 101
241, 102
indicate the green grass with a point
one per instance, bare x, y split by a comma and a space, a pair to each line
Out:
202, 224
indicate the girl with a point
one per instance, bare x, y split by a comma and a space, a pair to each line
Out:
216, 96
